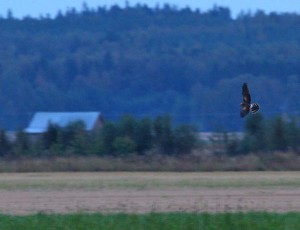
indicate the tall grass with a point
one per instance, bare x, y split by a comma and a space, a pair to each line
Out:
155, 221
147, 180
190, 163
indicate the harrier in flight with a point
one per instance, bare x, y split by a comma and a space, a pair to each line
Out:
246, 105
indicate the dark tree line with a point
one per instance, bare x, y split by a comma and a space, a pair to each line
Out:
183, 62
126, 136
148, 136
261, 135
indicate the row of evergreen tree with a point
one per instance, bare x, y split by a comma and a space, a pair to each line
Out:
145, 136
128, 135
261, 135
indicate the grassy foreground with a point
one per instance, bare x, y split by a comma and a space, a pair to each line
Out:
155, 221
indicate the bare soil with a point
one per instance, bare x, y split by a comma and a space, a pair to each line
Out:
141, 200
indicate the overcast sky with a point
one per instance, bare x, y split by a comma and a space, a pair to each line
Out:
35, 8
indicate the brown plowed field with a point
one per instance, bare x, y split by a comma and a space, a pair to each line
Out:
149, 192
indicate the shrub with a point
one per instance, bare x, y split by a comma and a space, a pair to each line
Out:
124, 145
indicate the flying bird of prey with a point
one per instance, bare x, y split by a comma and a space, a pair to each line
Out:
246, 105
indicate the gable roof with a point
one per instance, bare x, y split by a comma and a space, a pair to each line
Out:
41, 120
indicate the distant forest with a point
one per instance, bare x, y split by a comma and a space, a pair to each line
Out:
147, 62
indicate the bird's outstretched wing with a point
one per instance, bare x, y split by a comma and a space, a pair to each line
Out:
245, 105
246, 94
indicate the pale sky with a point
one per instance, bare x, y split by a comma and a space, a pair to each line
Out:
35, 8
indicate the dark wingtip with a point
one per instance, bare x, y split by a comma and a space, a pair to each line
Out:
245, 88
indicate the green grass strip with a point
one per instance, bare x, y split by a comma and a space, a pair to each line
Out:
155, 221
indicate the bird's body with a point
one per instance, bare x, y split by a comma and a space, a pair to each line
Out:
246, 105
